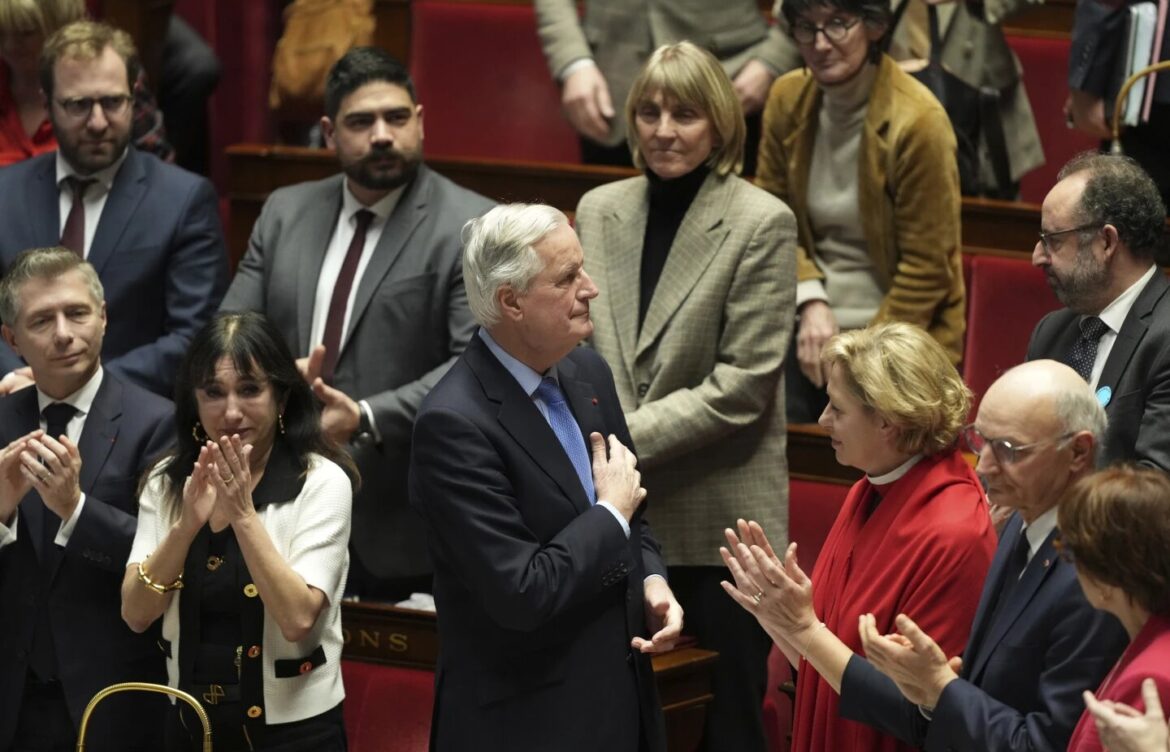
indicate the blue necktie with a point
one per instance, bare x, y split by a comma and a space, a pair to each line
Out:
568, 432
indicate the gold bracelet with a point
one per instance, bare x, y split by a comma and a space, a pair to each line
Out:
159, 588
808, 643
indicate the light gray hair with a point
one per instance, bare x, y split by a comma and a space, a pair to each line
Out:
1080, 410
498, 250
43, 263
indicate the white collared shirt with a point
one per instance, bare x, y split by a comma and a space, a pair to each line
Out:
895, 474
1037, 531
335, 256
1114, 316
82, 400
95, 195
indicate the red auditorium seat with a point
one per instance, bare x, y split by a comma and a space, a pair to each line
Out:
387, 709
482, 64
1045, 64
777, 705
1006, 299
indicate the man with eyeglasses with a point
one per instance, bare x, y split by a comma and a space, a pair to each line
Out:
1100, 227
1035, 643
151, 230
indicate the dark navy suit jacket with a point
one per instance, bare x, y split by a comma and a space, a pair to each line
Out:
158, 250
1023, 673
125, 429
538, 592
1137, 373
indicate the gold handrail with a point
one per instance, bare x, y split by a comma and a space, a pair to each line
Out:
1119, 103
145, 687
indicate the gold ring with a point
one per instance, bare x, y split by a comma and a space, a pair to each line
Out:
758, 597
227, 480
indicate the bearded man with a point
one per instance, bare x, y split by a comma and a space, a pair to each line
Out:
362, 272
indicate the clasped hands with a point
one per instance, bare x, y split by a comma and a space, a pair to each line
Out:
50, 466
220, 480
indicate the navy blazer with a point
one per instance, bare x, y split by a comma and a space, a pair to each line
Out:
1023, 674
158, 250
1137, 373
126, 428
538, 592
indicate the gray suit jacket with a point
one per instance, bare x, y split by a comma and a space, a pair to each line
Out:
620, 35
702, 382
409, 322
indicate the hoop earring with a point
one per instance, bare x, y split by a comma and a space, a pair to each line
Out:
196, 430
280, 422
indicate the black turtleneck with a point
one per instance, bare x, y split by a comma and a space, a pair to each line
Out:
669, 202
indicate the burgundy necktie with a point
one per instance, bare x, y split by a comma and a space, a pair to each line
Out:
340, 300
73, 236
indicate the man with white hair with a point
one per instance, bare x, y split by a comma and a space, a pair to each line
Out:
549, 587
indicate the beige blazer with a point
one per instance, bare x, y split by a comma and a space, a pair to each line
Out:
702, 384
908, 194
620, 35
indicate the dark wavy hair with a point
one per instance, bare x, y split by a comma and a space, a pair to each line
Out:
358, 67
1119, 192
257, 350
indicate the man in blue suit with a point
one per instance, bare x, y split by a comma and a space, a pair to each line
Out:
1036, 643
549, 588
151, 230
74, 447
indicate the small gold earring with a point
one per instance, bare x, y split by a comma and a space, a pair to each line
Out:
280, 422
196, 430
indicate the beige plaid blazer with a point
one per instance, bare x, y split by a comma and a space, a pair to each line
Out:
702, 383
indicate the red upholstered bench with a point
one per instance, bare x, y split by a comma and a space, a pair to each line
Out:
1045, 64
387, 709
484, 85
1006, 299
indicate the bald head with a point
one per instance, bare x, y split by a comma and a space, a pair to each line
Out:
1050, 413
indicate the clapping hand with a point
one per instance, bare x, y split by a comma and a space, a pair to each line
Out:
232, 477
52, 466
1122, 728
13, 483
911, 659
198, 493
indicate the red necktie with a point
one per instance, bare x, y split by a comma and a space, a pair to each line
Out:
73, 236
340, 300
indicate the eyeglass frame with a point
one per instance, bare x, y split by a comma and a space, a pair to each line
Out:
1001, 446
82, 107
845, 27
1046, 236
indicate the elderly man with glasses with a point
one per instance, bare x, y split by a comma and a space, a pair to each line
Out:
150, 229
1100, 228
1035, 644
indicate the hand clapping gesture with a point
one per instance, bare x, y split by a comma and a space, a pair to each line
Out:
232, 478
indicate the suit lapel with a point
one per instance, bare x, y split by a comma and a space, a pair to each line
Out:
1133, 329
100, 431
126, 193
410, 212
316, 231
45, 196
1039, 568
698, 241
973, 656
623, 234
524, 423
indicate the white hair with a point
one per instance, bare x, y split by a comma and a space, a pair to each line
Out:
498, 250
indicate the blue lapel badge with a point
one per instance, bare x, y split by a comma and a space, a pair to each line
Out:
1104, 394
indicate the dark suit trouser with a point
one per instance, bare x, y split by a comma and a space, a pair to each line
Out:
45, 724
734, 717
1149, 144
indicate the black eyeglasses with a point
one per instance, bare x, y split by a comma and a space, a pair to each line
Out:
79, 107
1006, 452
835, 30
1046, 237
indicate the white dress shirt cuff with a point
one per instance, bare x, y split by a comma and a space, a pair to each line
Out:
369, 413
574, 66
8, 533
617, 516
66, 530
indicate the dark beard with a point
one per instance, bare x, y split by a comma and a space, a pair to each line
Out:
366, 176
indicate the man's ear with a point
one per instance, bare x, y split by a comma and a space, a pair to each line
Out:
1084, 452
327, 131
509, 303
9, 337
418, 112
1112, 241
